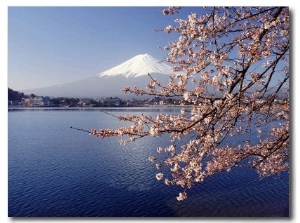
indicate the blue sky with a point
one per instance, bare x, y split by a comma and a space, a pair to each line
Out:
52, 45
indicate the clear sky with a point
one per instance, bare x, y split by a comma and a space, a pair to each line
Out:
53, 45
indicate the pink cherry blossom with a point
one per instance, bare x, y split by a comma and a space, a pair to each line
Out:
235, 83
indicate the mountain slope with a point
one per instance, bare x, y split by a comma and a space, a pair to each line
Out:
138, 66
111, 82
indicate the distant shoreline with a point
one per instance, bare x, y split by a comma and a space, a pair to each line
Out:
158, 107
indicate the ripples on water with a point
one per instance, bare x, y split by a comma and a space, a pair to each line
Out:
57, 171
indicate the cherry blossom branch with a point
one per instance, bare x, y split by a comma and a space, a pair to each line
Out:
233, 64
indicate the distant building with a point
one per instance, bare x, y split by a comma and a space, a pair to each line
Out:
37, 101
84, 102
26, 101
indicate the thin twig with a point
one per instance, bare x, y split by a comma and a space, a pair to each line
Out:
82, 130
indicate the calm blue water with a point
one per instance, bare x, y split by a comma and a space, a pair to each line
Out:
57, 171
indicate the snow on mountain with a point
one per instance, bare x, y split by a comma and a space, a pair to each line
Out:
138, 66
110, 83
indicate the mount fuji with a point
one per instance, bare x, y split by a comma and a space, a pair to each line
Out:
110, 83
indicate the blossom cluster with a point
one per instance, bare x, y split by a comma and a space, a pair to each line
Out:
236, 64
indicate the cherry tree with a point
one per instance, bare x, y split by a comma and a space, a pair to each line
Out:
233, 81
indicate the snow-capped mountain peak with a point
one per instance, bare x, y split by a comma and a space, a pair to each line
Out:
111, 82
137, 66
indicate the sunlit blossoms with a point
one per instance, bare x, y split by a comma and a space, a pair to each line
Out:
159, 176
182, 196
235, 84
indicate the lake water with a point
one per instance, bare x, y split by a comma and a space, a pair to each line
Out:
56, 171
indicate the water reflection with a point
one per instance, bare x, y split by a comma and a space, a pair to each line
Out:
57, 171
